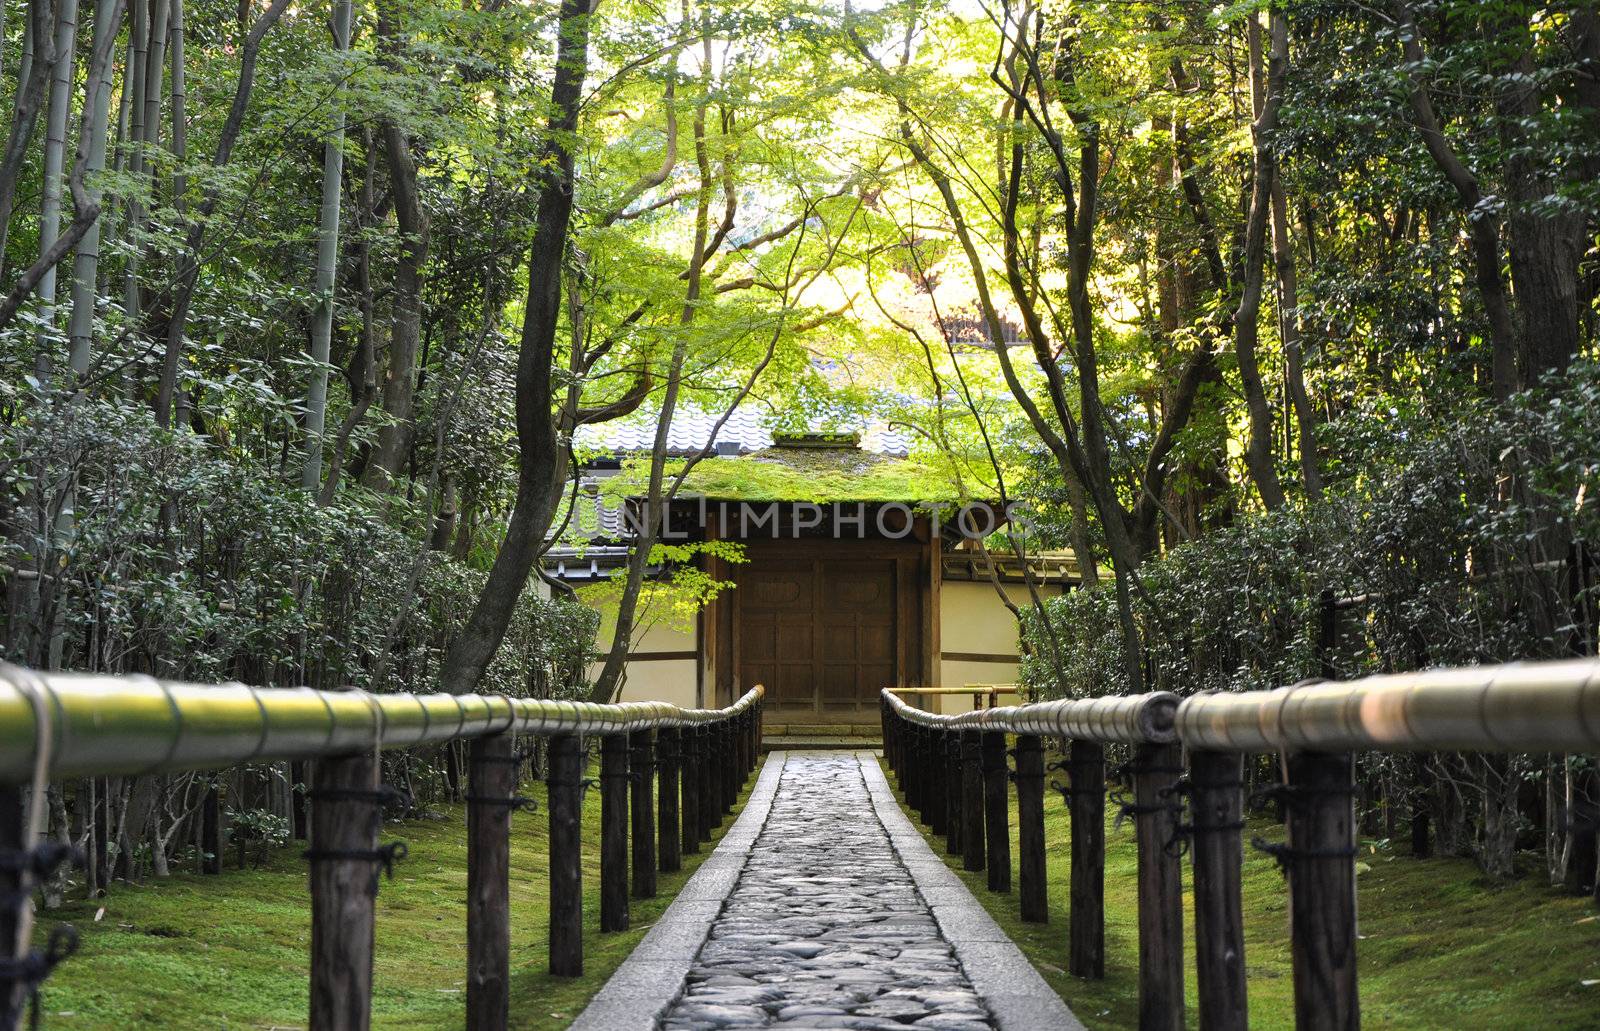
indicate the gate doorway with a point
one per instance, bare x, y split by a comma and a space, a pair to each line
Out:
826, 625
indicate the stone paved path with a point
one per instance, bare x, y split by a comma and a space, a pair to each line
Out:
825, 927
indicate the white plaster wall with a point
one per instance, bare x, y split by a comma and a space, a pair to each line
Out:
960, 674
973, 619
657, 680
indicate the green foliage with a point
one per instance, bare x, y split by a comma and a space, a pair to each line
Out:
798, 474
1447, 524
232, 950
256, 832
673, 599
199, 564
1437, 950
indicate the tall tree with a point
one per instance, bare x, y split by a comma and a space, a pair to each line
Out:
542, 463
327, 262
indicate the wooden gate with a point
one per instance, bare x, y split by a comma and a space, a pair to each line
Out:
822, 632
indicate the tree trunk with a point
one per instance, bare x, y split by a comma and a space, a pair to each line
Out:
1267, 88
55, 160
542, 468
1483, 224
38, 62
1546, 247
655, 506
133, 86
327, 262
167, 390
405, 333
86, 263
1305, 416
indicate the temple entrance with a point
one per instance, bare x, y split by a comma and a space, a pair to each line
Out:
826, 625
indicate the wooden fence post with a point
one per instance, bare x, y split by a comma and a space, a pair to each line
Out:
886, 727
950, 754
13, 885
933, 773
689, 759
1031, 886
1216, 814
1086, 954
642, 764
913, 781
971, 800
346, 815
22, 871
210, 831
715, 758
491, 798
997, 809
728, 770
705, 739
614, 832
565, 780
1320, 862
741, 751
1155, 769
668, 761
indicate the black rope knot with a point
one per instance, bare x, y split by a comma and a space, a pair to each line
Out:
1184, 834
1292, 793
516, 803
1125, 807
1071, 791
40, 861
515, 760
30, 970
1287, 855
383, 795
383, 859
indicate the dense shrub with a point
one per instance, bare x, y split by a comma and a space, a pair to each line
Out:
1450, 538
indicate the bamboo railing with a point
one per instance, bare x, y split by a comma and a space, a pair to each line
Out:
1185, 785
62, 725
983, 695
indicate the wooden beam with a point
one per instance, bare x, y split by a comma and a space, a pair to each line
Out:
491, 799
614, 832
565, 782
346, 815
1031, 885
1216, 804
1154, 770
642, 767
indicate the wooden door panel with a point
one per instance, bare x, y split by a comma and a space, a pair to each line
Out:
875, 644
796, 685
796, 640
759, 640
819, 632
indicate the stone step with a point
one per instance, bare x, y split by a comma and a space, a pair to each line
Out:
817, 742
823, 729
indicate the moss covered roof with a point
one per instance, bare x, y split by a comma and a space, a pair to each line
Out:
819, 474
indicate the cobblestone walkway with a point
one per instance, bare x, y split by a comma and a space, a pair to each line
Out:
825, 927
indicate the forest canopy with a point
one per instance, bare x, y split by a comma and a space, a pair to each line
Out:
302, 308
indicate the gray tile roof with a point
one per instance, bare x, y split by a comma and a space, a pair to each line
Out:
749, 429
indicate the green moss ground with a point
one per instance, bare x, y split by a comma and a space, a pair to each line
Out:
1440, 948
231, 951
